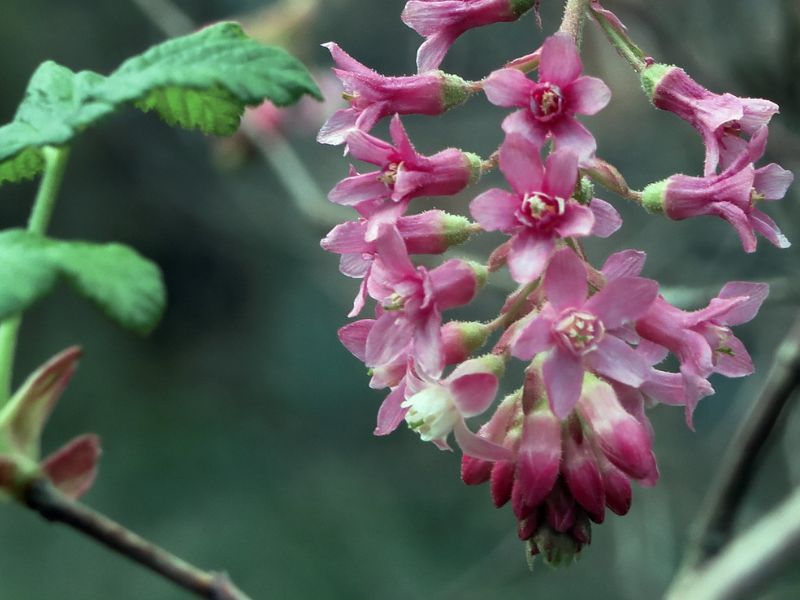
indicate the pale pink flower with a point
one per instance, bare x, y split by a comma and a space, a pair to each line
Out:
719, 118
442, 21
580, 333
702, 339
541, 209
404, 173
548, 107
437, 406
373, 96
732, 195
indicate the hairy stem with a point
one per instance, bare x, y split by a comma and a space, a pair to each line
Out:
574, 18
618, 38
55, 163
45, 499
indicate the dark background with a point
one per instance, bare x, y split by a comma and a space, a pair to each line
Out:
239, 434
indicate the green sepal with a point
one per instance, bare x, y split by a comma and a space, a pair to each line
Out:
455, 90
653, 197
651, 76
457, 229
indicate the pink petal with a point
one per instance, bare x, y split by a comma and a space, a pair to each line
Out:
389, 336
521, 164
652, 353
523, 123
401, 140
391, 414
755, 293
565, 280
571, 135
536, 337
495, 210
606, 218
473, 393
529, 255
432, 52
587, 95
772, 181
478, 447
371, 115
344, 61
354, 265
368, 148
563, 379
665, 388
736, 217
763, 224
561, 173
737, 363
618, 361
392, 252
338, 126
352, 190
623, 300
454, 283
560, 63
577, 221
385, 214
428, 353
508, 87
360, 299
628, 263
346, 238
354, 337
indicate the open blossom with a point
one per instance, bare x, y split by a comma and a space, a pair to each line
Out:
541, 208
721, 119
436, 406
410, 300
373, 96
429, 232
578, 333
702, 339
442, 21
732, 195
548, 107
404, 173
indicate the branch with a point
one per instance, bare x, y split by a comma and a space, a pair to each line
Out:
748, 561
45, 499
713, 527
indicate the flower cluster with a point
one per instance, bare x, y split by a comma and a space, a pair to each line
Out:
568, 442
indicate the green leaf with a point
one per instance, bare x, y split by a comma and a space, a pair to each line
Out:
126, 286
199, 81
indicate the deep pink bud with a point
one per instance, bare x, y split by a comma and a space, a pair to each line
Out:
617, 487
526, 528
624, 441
502, 482
560, 509
460, 339
582, 530
581, 473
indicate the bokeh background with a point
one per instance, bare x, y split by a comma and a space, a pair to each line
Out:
239, 434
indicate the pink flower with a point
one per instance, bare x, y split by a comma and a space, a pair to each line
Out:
442, 21
549, 106
429, 232
410, 300
719, 118
404, 174
373, 96
436, 407
732, 195
579, 334
702, 339
541, 208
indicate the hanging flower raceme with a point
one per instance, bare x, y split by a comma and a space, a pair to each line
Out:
571, 441
373, 96
548, 106
442, 21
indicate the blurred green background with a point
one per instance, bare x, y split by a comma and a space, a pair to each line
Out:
239, 434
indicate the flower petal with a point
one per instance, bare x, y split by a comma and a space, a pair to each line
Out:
338, 126
495, 210
389, 336
563, 380
561, 173
772, 181
606, 218
354, 337
763, 224
536, 337
622, 300
358, 188
529, 255
577, 221
565, 280
521, 164
755, 293
508, 87
571, 135
391, 414
478, 447
433, 50
627, 263
618, 361
587, 95
560, 63
473, 393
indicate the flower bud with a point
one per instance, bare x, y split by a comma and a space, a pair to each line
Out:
433, 231
560, 509
557, 549
581, 473
456, 282
617, 487
460, 339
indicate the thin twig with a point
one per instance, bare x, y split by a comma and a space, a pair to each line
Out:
45, 499
575, 12
749, 561
715, 520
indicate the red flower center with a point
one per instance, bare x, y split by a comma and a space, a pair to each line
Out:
547, 102
579, 332
542, 210
389, 175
